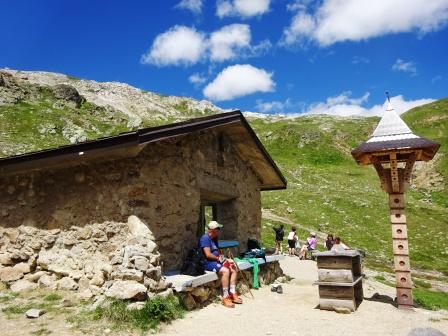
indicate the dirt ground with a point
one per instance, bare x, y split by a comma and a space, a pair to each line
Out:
292, 313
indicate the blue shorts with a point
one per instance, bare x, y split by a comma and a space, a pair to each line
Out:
213, 266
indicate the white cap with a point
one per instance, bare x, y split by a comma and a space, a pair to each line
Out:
214, 225
313, 233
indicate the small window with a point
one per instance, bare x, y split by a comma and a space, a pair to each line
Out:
208, 213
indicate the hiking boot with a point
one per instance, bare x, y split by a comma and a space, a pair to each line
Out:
279, 289
227, 302
236, 299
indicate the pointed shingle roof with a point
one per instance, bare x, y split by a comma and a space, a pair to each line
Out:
392, 133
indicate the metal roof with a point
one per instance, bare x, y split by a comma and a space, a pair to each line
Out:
392, 134
129, 144
391, 126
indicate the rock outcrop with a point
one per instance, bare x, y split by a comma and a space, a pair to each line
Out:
119, 260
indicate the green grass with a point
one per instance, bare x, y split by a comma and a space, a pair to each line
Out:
21, 308
421, 284
154, 312
328, 192
383, 280
430, 300
52, 297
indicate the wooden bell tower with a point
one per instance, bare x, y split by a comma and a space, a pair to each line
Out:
392, 150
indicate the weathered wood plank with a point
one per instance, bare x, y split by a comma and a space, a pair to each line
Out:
334, 262
336, 292
331, 304
335, 275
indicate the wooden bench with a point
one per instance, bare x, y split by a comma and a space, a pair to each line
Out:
184, 283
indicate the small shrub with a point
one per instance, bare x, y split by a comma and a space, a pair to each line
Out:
52, 297
154, 312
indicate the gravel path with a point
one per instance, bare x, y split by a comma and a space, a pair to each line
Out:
295, 313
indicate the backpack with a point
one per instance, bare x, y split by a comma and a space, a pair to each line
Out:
194, 263
255, 253
252, 244
254, 250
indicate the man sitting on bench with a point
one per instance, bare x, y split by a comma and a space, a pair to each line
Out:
214, 261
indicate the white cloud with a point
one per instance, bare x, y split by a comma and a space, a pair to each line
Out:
407, 67
194, 6
344, 106
241, 8
277, 107
197, 79
179, 45
182, 45
355, 20
225, 43
273, 106
237, 81
298, 5
302, 25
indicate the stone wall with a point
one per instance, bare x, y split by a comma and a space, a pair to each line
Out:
163, 185
200, 296
118, 260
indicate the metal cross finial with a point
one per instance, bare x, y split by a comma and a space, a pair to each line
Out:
387, 95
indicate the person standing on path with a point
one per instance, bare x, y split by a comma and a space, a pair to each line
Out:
214, 261
279, 235
292, 239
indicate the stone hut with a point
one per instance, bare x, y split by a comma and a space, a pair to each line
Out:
125, 208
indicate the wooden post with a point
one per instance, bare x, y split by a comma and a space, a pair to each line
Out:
395, 181
401, 250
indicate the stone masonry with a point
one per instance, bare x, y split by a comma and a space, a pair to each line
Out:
69, 224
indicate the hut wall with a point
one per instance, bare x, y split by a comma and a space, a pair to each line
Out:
163, 186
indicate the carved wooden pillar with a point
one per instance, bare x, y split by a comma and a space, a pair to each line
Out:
393, 149
401, 250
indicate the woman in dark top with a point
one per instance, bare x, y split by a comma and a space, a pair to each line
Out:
279, 235
329, 242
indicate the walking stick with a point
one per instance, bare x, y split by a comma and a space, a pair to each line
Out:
241, 272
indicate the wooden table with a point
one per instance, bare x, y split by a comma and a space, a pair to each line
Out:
339, 279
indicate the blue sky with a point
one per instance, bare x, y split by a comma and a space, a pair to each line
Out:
272, 56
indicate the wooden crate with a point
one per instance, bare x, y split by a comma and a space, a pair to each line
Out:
339, 280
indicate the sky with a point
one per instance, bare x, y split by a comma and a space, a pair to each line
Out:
271, 56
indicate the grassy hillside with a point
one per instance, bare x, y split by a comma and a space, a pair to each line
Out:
326, 192
329, 192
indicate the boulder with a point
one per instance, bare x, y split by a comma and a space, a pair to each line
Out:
5, 259
23, 267
9, 274
188, 301
67, 283
34, 313
128, 274
140, 263
23, 285
34, 277
138, 228
127, 290
154, 273
86, 294
97, 279
48, 281
166, 293
69, 94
